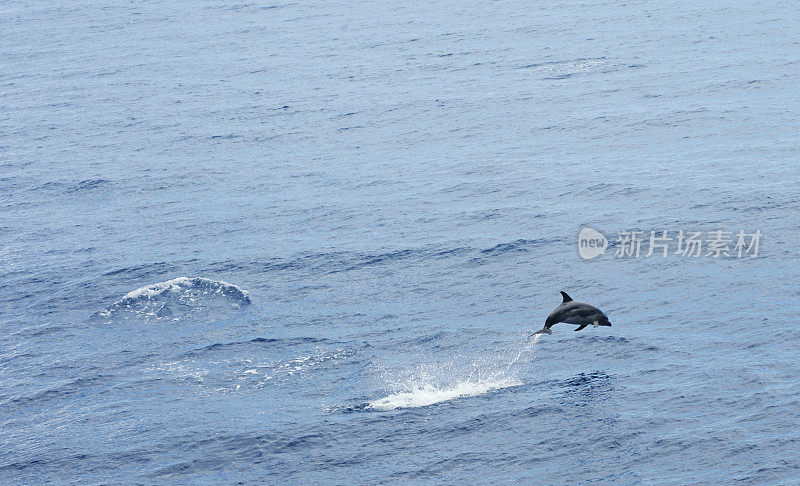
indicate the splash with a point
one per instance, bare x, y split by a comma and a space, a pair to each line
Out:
428, 394
422, 391
176, 297
529, 344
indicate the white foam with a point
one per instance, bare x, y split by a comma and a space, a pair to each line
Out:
183, 283
424, 393
428, 394
156, 300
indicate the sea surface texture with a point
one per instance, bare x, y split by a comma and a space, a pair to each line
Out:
306, 243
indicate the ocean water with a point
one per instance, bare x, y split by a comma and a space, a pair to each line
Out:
306, 243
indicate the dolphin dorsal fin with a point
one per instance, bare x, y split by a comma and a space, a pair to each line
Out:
567, 298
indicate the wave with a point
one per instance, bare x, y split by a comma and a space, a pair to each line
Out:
68, 187
340, 261
520, 245
58, 391
178, 296
260, 341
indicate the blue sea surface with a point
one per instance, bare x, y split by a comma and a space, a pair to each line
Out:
306, 243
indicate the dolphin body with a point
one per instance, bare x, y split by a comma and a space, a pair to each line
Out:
573, 312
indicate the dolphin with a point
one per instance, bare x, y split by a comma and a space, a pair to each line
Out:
573, 312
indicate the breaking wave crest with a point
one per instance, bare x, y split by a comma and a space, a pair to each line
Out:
177, 297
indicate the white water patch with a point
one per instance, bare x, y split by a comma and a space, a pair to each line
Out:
174, 298
426, 388
569, 67
258, 375
429, 394
249, 372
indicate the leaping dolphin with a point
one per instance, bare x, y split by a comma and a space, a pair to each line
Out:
573, 312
